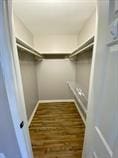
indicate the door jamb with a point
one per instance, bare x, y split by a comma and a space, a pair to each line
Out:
12, 77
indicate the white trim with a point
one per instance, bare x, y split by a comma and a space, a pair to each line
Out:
46, 101
58, 100
104, 141
12, 78
91, 92
63, 100
80, 112
32, 115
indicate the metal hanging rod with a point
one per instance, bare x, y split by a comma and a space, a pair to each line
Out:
22, 45
81, 50
87, 45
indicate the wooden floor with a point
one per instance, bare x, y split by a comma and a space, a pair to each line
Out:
57, 131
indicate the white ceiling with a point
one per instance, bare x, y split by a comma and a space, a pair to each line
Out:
54, 16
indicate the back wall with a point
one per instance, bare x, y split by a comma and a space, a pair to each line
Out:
52, 75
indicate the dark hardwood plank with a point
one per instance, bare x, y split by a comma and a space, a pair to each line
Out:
57, 131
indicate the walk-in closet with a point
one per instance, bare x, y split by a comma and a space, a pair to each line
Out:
55, 66
58, 78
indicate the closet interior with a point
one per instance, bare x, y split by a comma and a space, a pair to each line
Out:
81, 58
55, 68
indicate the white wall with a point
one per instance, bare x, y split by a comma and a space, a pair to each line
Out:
83, 64
28, 71
52, 77
83, 69
55, 43
28, 68
22, 31
53, 74
88, 29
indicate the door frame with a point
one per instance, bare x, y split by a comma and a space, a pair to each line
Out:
10, 66
96, 140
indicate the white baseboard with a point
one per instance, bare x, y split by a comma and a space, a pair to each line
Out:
65, 100
58, 100
46, 101
32, 115
80, 112
52, 101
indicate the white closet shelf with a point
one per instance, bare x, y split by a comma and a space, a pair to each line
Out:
84, 47
73, 87
27, 48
